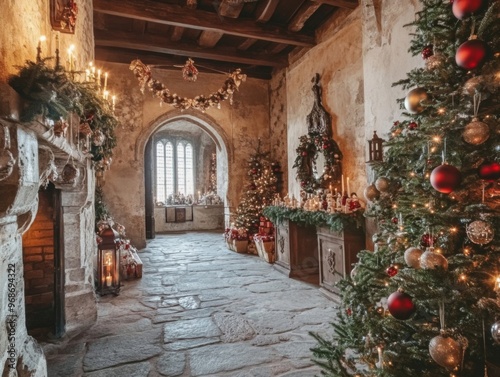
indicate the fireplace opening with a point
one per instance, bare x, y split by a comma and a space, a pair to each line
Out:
43, 257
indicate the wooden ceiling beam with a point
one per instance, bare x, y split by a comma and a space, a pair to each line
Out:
339, 3
158, 44
247, 44
168, 62
265, 10
177, 33
202, 20
209, 38
302, 15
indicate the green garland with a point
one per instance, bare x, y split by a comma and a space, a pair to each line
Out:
52, 93
335, 221
307, 153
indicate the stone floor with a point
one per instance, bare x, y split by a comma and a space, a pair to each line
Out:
200, 310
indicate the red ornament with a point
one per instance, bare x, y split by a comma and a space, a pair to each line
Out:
471, 54
303, 183
427, 241
427, 52
348, 312
490, 171
394, 220
400, 305
304, 153
254, 171
445, 178
412, 125
325, 146
463, 8
392, 270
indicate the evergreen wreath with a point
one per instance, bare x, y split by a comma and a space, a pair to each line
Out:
307, 153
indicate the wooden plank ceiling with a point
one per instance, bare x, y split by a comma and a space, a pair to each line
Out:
221, 35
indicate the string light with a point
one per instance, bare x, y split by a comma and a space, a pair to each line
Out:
462, 278
453, 229
436, 139
441, 111
497, 283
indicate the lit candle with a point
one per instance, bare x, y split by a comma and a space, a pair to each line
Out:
39, 48
71, 57
342, 184
105, 94
108, 281
105, 80
99, 78
348, 189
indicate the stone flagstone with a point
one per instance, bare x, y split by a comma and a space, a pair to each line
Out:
200, 310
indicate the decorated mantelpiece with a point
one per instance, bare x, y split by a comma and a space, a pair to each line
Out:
335, 221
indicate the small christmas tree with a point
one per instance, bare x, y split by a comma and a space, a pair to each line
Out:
426, 302
259, 191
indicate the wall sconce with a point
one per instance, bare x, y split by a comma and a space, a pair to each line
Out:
108, 263
376, 152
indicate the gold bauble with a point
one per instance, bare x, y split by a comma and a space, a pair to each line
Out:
414, 98
382, 184
371, 193
476, 132
480, 232
412, 257
431, 260
445, 351
473, 85
434, 61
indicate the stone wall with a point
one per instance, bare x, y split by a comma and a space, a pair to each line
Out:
278, 122
235, 129
24, 21
386, 60
338, 58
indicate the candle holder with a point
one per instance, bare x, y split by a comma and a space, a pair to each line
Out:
108, 262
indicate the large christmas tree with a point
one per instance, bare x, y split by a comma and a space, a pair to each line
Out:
259, 190
426, 302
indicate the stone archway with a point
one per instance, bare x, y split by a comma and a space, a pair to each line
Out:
210, 127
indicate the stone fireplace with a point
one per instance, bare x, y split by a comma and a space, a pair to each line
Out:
47, 239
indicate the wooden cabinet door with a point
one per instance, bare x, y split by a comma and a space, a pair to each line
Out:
332, 262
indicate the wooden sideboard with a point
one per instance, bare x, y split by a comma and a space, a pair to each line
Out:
297, 251
337, 253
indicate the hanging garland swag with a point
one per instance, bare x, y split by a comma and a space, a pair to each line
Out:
143, 73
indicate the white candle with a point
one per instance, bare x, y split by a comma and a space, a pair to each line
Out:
348, 189
108, 281
87, 75
105, 80
342, 184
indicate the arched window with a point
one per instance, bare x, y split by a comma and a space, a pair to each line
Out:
174, 168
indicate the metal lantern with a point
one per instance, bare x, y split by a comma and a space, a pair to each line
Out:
375, 148
108, 262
